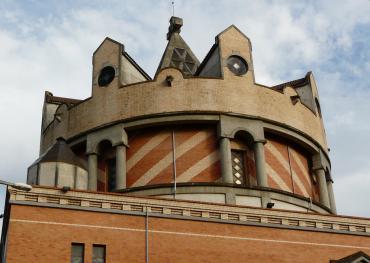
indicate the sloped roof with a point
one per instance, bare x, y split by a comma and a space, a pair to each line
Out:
303, 89
60, 152
293, 83
133, 62
49, 98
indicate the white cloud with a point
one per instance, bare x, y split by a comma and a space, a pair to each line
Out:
53, 52
350, 192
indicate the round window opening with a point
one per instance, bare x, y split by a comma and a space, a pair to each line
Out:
106, 76
237, 65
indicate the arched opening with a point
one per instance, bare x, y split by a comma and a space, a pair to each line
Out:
106, 167
243, 160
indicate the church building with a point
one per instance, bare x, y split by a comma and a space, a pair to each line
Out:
199, 163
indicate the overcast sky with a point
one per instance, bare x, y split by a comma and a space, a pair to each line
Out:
47, 45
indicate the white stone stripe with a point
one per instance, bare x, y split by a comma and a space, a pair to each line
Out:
189, 234
276, 153
146, 148
285, 164
276, 178
197, 168
299, 183
167, 160
301, 166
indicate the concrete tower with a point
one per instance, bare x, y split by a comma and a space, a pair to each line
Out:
198, 131
198, 164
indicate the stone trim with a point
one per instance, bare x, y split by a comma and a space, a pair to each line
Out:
117, 203
224, 188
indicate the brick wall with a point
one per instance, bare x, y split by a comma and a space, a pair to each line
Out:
38, 234
288, 168
150, 155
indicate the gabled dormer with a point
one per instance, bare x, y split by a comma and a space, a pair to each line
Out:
114, 67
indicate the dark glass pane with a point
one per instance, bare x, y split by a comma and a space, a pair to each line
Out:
237, 65
77, 255
98, 254
111, 166
106, 76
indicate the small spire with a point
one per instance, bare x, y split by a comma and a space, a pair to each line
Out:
175, 26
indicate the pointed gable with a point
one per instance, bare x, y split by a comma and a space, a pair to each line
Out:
178, 54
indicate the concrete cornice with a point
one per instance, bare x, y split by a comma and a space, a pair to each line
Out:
118, 203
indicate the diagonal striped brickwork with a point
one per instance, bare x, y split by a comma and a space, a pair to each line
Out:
288, 169
150, 156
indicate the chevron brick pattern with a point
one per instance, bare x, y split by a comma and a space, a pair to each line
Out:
150, 156
288, 169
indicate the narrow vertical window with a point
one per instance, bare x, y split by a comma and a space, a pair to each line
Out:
98, 254
111, 172
237, 159
77, 253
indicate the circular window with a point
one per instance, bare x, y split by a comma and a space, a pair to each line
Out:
106, 76
237, 65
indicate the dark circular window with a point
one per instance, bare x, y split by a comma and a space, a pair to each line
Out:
106, 76
237, 65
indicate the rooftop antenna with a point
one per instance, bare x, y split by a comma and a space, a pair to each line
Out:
173, 8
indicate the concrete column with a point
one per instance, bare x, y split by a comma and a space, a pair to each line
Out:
120, 167
324, 197
331, 196
93, 171
226, 166
259, 156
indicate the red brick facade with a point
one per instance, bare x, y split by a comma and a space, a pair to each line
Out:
38, 234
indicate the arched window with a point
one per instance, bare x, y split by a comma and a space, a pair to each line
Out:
242, 159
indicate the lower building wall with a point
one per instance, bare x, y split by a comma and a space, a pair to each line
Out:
40, 234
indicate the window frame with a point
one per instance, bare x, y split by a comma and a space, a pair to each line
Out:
83, 250
99, 246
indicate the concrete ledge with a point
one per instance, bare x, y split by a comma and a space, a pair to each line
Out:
229, 189
118, 203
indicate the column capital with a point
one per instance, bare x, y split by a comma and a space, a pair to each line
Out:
91, 153
263, 141
120, 144
318, 168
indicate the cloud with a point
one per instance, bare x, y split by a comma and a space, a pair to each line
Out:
48, 46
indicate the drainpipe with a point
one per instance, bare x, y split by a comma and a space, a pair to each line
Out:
146, 236
174, 163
